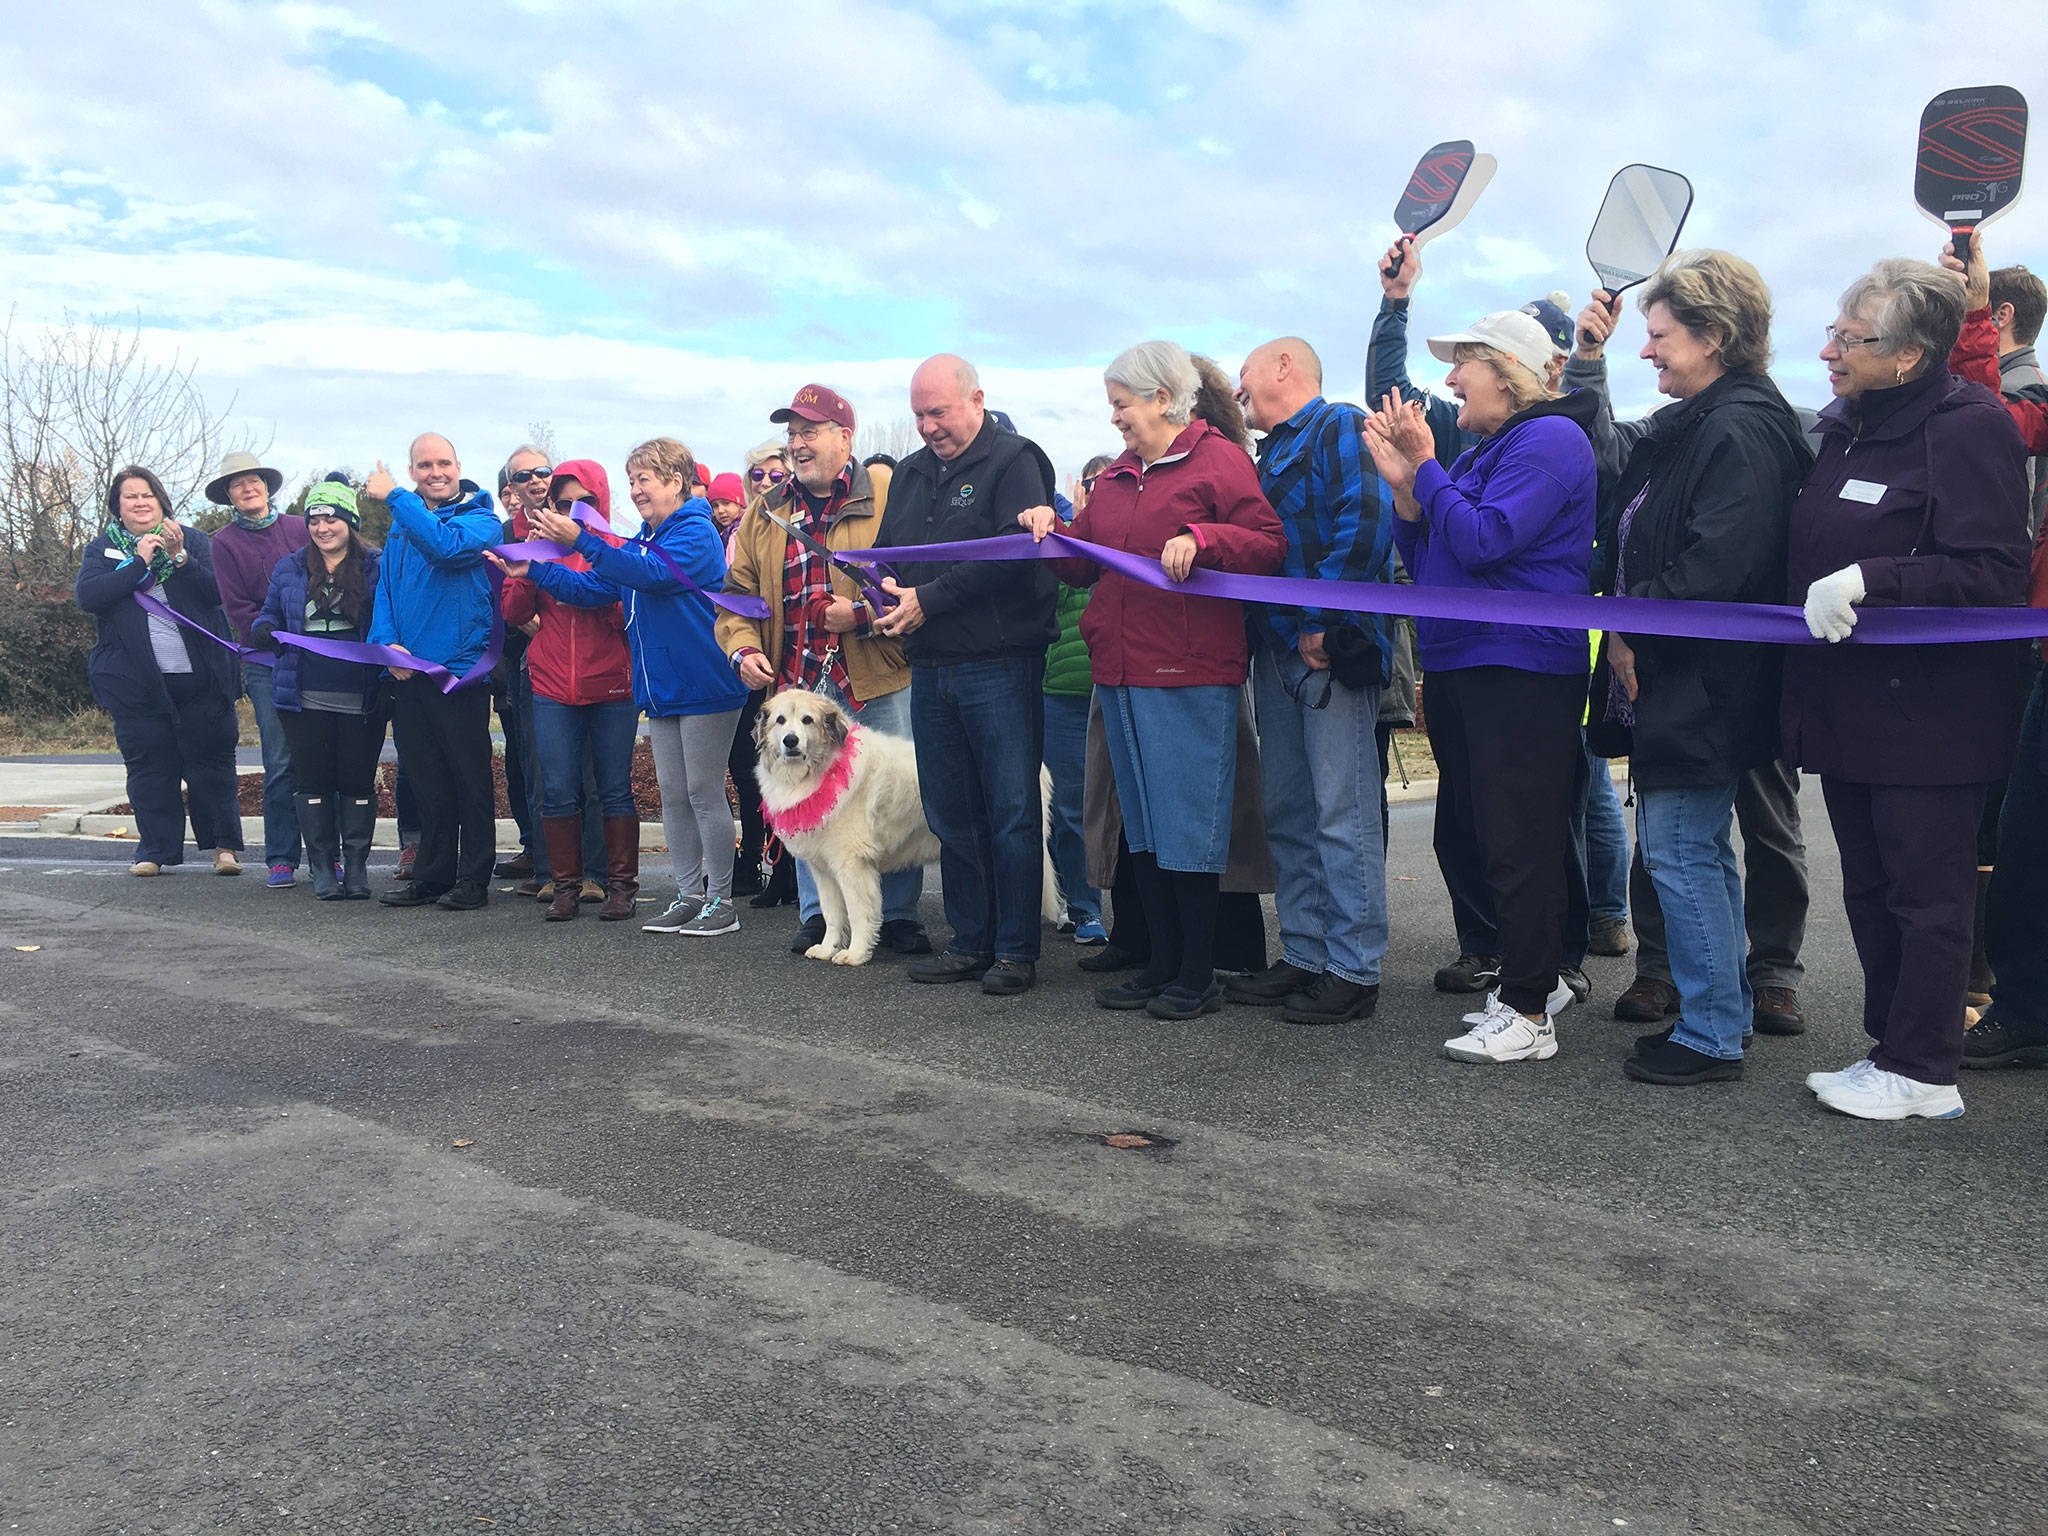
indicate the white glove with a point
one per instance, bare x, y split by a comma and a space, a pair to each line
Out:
1831, 604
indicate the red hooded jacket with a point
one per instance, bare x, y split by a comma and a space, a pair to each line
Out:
580, 654
1143, 637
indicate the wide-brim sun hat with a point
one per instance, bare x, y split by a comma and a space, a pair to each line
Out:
241, 463
1519, 335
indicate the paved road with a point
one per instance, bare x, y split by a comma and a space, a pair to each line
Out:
741, 1243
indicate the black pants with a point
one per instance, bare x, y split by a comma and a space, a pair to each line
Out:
740, 762
1508, 745
445, 740
192, 747
334, 754
2016, 908
1909, 882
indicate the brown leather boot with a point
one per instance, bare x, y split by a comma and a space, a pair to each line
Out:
565, 862
622, 868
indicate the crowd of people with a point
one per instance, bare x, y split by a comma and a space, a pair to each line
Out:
1206, 749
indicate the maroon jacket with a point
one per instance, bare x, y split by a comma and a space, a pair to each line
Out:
244, 557
1936, 518
1139, 636
580, 655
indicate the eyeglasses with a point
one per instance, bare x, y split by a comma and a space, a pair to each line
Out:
811, 429
1847, 343
521, 476
772, 476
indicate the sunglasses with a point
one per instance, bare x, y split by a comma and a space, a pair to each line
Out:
567, 504
1088, 484
772, 476
521, 476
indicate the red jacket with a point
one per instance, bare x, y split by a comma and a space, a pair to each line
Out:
1976, 358
1142, 637
580, 655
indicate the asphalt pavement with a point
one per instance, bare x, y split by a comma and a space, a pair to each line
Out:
334, 1218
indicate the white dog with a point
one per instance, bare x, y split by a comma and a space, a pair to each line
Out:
845, 801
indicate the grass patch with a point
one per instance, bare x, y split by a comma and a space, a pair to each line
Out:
85, 731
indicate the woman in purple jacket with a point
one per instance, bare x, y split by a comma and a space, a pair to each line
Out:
1514, 514
1918, 498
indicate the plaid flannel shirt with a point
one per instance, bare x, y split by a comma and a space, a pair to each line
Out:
810, 651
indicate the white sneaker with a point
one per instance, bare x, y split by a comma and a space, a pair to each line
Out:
1501, 1034
1559, 1000
1882, 1095
680, 912
1850, 1075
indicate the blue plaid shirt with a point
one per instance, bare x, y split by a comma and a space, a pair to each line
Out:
1338, 513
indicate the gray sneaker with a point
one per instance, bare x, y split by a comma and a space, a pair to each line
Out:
680, 913
718, 916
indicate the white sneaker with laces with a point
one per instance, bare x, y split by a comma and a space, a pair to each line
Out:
1559, 1000
1850, 1075
1882, 1095
1500, 1034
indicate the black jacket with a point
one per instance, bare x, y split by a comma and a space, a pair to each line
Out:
122, 666
974, 610
1721, 471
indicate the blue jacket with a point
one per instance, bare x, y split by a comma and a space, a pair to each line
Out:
284, 608
678, 668
122, 666
433, 589
1386, 362
1514, 514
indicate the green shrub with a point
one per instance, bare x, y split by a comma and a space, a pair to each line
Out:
44, 637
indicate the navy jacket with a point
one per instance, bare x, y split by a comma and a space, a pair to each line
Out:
284, 608
122, 666
1924, 487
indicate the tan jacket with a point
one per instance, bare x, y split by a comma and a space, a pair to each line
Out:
875, 665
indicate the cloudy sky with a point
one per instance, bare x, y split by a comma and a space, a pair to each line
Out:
625, 218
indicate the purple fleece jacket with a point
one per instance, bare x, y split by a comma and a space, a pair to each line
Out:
1514, 514
243, 559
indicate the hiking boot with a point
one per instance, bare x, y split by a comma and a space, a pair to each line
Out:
1007, 978
1330, 999
1993, 1042
1109, 958
466, 896
1609, 937
808, 933
1501, 1034
1647, 1001
950, 966
1777, 1012
1679, 1066
1469, 973
1276, 984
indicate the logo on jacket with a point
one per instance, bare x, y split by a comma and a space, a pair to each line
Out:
964, 495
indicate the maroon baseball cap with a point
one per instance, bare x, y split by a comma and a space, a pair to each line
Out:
814, 402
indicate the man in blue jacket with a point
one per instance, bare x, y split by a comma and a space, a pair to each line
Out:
434, 601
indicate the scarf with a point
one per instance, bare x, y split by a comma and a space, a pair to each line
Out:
809, 813
257, 524
160, 564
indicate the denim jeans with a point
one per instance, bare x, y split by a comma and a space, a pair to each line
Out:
1321, 768
512, 701
979, 727
565, 734
1606, 844
2016, 907
280, 811
1066, 756
589, 792
890, 714
1685, 839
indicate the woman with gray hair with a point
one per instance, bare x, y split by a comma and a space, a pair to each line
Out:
1168, 669
1703, 500
1919, 499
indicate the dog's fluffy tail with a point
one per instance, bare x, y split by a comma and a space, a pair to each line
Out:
1053, 906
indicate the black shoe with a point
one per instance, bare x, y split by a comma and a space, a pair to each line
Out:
1575, 980
1129, 996
1006, 978
807, 934
1609, 937
1679, 1066
1109, 958
1330, 1000
1651, 1042
746, 874
949, 966
781, 890
1777, 1012
1271, 987
413, 894
1991, 1042
465, 896
1647, 1001
521, 864
1469, 973
1177, 1002
905, 936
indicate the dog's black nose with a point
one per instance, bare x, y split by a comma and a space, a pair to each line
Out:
790, 742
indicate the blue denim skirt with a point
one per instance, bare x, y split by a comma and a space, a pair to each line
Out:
1174, 754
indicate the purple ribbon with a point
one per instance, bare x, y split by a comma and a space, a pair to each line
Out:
547, 549
1684, 619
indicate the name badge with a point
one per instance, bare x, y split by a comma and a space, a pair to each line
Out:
1868, 492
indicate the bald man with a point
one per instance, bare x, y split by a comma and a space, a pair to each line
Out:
975, 635
1316, 676
434, 600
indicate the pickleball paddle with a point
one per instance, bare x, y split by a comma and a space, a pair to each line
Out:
1446, 182
1973, 145
1636, 228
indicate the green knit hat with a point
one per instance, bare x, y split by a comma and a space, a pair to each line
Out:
337, 499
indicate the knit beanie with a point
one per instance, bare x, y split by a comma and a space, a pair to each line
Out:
338, 500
